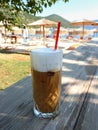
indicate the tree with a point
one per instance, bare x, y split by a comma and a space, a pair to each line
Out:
11, 10
31, 6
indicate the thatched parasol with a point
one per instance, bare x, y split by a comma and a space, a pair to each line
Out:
44, 23
82, 23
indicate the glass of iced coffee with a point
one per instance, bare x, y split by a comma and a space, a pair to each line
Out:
46, 66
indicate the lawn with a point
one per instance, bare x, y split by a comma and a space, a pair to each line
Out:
13, 67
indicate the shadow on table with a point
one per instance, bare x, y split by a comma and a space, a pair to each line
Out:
75, 98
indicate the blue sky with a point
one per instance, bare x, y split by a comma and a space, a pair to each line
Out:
74, 9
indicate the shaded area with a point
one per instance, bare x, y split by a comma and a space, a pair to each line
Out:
78, 98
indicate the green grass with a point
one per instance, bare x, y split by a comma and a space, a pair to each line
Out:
13, 67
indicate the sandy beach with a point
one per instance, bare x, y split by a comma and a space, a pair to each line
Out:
27, 46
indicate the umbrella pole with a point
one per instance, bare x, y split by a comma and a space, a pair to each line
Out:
43, 32
40, 31
5, 35
83, 30
43, 35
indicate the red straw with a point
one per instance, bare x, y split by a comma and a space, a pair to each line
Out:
57, 36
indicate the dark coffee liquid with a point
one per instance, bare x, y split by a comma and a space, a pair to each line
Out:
46, 90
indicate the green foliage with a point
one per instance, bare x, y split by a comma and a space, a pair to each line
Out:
10, 16
10, 10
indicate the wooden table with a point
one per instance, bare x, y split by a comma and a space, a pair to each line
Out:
13, 37
79, 97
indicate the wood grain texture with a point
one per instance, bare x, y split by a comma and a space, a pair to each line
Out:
79, 97
88, 118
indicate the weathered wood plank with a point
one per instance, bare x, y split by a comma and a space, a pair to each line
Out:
76, 84
16, 102
88, 119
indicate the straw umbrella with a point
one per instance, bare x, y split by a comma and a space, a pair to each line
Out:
82, 23
95, 24
95, 30
44, 23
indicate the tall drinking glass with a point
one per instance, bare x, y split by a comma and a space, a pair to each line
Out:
46, 66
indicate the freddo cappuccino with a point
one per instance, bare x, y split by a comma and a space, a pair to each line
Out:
46, 66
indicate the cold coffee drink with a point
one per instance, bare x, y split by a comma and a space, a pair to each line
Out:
46, 66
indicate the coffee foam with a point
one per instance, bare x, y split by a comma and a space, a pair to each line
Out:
46, 59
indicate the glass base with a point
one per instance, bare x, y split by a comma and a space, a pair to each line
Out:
46, 115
